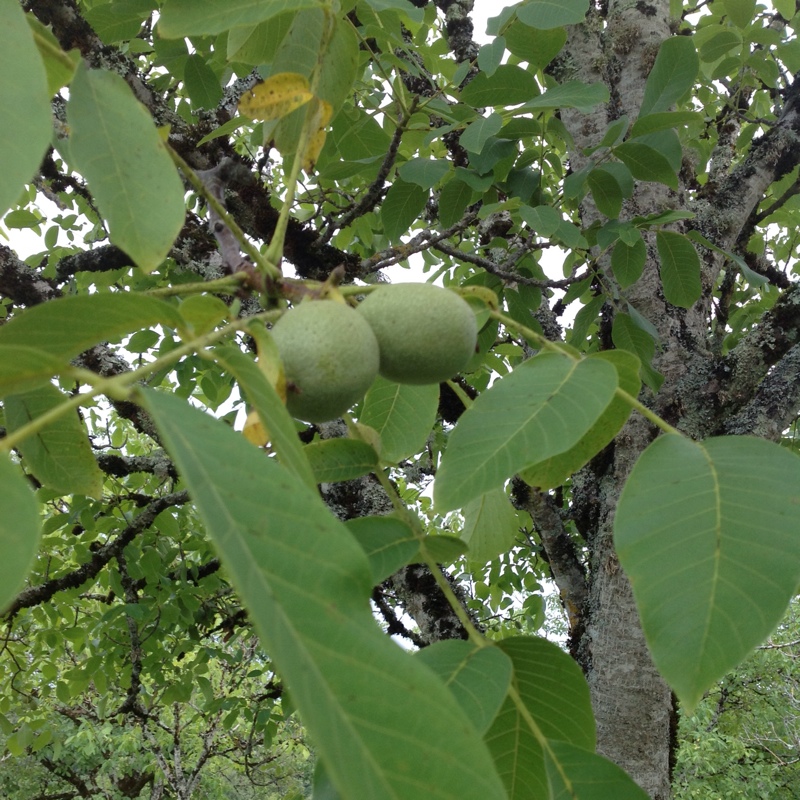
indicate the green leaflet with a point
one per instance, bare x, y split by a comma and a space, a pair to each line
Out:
478, 676
680, 268
554, 471
69, 325
675, 68
25, 101
707, 533
555, 694
306, 584
20, 529
543, 408
192, 17
402, 414
340, 459
59, 455
117, 148
578, 774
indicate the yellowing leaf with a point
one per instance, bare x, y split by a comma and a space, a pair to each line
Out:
254, 431
276, 97
321, 116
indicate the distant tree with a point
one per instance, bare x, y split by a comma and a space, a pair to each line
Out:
600, 396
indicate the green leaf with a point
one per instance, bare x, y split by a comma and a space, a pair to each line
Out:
606, 192
546, 14
115, 145
443, 549
271, 410
541, 409
20, 530
477, 133
25, 100
24, 368
453, 200
741, 12
69, 325
543, 219
403, 205
402, 414
59, 66
627, 262
707, 533
388, 543
306, 584
196, 17
652, 123
680, 269
673, 74
720, 44
752, 277
202, 85
59, 455
479, 677
491, 526
120, 20
646, 163
508, 86
257, 44
535, 46
340, 459
411, 11
339, 64
555, 471
555, 695
490, 56
425, 172
572, 94
628, 335
575, 773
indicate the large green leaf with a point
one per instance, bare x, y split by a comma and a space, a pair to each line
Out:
546, 14
23, 368
578, 774
192, 17
708, 534
741, 12
70, 325
627, 262
553, 472
543, 408
680, 269
554, 693
20, 530
675, 68
117, 148
59, 455
306, 584
402, 414
24, 98
491, 525
479, 677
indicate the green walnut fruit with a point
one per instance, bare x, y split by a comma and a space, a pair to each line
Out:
426, 334
330, 357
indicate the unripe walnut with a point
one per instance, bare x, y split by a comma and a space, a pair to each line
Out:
426, 334
330, 357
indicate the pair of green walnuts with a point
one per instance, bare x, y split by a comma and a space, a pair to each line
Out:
409, 333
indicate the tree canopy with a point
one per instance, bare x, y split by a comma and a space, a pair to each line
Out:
241, 467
